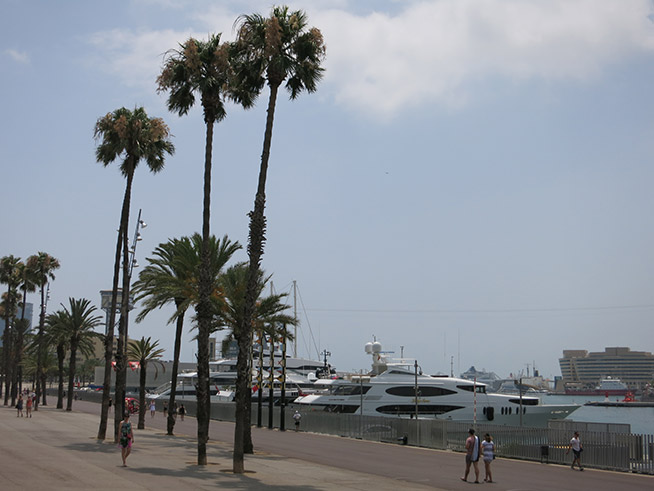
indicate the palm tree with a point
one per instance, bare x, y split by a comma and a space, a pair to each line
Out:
268, 51
172, 277
43, 266
28, 284
131, 136
144, 351
79, 323
201, 68
56, 335
269, 311
10, 276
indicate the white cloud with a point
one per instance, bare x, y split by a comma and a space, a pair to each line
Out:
429, 51
19, 56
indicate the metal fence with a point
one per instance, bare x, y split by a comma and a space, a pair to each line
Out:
606, 446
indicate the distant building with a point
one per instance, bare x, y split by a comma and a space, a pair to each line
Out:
634, 368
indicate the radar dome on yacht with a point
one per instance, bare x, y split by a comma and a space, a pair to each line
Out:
368, 348
376, 347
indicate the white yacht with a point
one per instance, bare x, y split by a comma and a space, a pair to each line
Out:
397, 389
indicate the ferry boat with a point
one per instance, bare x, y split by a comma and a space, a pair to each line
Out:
395, 388
608, 386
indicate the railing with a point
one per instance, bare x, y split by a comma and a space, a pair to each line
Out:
606, 446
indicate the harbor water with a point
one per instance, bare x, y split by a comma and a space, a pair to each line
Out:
641, 419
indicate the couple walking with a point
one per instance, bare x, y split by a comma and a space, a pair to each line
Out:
473, 451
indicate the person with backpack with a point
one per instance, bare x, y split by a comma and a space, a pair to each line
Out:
472, 455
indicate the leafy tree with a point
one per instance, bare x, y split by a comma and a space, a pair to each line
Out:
145, 352
42, 266
201, 68
131, 136
172, 277
268, 51
10, 276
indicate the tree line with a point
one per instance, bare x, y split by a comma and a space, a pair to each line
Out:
274, 51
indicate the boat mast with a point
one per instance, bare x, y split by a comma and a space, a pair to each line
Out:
295, 317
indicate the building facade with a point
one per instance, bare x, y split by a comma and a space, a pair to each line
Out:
634, 368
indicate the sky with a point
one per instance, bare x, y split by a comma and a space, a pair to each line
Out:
469, 185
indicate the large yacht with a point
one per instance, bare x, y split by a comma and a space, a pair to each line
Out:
395, 388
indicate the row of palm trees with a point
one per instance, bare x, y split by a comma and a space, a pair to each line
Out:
275, 50
21, 278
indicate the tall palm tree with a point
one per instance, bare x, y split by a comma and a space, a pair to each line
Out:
172, 277
201, 68
130, 136
79, 323
268, 51
268, 311
27, 285
145, 352
10, 276
56, 335
43, 266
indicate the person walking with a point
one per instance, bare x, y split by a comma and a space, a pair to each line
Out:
297, 417
182, 412
153, 408
577, 448
488, 453
126, 438
472, 455
28, 407
19, 407
165, 405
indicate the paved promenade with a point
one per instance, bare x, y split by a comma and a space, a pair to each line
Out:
58, 450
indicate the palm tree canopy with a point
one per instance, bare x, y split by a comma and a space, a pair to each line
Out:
268, 310
79, 322
144, 351
278, 48
10, 271
43, 266
197, 67
172, 274
133, 136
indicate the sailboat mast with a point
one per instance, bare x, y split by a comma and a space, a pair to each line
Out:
295, 317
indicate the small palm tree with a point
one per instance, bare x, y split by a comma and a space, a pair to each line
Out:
56, 335
144, 352
269, 312
131, 136
172, 277
43, 266
79, 323
268, 51
201, 68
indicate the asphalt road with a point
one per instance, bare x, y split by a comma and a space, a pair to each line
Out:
407, 467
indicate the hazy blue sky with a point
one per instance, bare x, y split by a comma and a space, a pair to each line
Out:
473, 179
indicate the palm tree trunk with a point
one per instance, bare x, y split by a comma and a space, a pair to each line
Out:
6, 355
142, 408
109, 336
255, 251
203, 309
173, 378
61, 354
71, 374
121, 350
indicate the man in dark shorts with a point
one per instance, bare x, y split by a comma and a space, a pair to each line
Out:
577, 448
